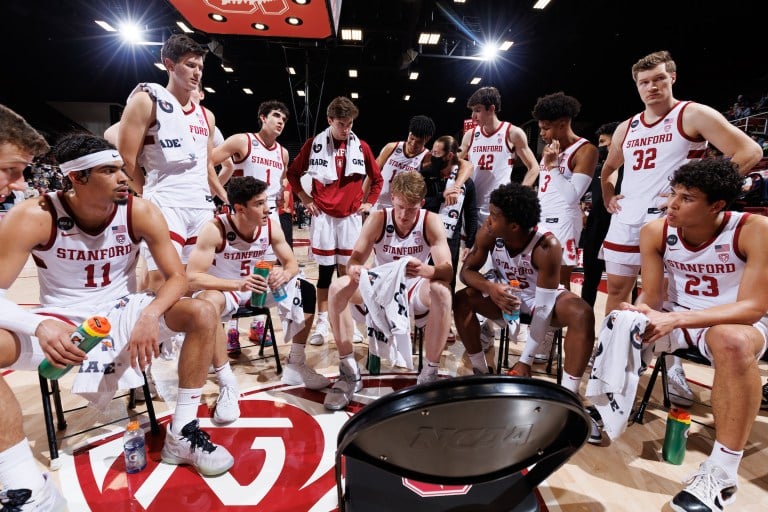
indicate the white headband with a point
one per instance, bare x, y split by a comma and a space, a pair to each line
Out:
91, 160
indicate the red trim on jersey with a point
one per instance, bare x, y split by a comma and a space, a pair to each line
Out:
620, 248
501, 125
274, 144
191, 240
736, 234
412, 227
246, 155
701, 247
54, 229
424, 226
239, 234
570, 158
506, 143
223, 232
149, 139
383, 226
324, 252
92, 232
685, 135
39, 262
696, 153
664, 232
58, 317
175, 237
129, 220
660, 119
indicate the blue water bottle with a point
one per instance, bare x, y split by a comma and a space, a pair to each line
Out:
514, 315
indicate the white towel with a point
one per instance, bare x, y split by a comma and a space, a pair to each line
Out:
291, 311
171, 124
384, 293
322, 163
612, 385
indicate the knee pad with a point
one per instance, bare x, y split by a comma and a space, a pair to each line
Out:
325, 275
308, 297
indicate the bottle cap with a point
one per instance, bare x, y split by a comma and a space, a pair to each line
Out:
132, 425
97, 326
514, 282
263, 264
680, 415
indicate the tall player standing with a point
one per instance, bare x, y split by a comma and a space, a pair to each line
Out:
652, 145
164, 133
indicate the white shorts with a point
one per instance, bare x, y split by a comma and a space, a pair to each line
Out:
622, 242
567, 230
184, 225
332, 239
122, 313
696, 338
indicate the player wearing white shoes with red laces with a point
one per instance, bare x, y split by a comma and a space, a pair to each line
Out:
716, 300
85, 243
23, 486
221, 264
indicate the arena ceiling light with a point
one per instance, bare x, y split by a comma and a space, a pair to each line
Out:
407, 97
355, 95
351, 34
300, 92
413, 75
475, 80
106, 26
247, 91
184, 27
506, 45
131, 33
451, 99
429, 38
291, 70
209, 89
352, 73
541, 4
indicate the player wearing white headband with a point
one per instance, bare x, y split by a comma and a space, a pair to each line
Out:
85, 243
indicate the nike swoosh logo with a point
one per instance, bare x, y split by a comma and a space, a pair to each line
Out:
115, 155
196, 397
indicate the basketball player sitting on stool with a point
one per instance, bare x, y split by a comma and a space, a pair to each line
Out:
406, 228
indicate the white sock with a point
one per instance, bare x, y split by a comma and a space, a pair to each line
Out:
187, 404
727, 459
18, 469
673, 362
322, 317
297, 356
479, 362
350, 365
226, 376
570, 382
430, 368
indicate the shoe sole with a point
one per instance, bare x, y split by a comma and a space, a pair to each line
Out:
176, 461
300, 382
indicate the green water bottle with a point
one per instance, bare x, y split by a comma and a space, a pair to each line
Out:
259, 299
86, 336
676, 436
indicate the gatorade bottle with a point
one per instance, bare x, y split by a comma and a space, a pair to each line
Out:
259, 299
86, 336
676, 436
134, 448
514, 289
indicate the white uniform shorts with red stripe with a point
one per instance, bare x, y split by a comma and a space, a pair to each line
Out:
696, 337
332, 238
234, 299
184, 225
567, 229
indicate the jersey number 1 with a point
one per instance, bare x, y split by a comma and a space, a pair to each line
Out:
90, 274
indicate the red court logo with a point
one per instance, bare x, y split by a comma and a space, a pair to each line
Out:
281, 463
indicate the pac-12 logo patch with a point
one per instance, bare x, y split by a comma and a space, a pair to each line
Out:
671, 239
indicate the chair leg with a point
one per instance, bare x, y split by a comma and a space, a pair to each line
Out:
638, 416
154, 426
278, 366
48, 416
661, 362
503, 350
420, 337
559, 346
61, 422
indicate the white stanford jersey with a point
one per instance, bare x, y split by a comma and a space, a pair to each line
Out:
492, 161
265, 164
237, 255
82, 268
396, 162
390, 246
519, 267
182, 184
652, 153
552, 203
708, 275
